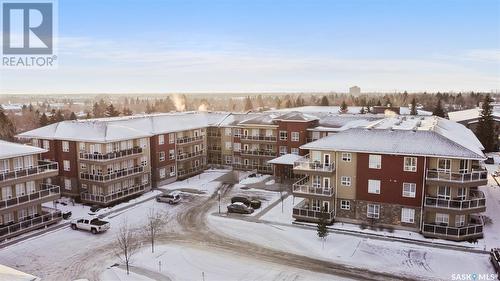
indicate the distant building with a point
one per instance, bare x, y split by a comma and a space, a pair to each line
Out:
470, 118
355, 90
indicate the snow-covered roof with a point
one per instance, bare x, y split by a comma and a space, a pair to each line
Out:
261, 119
11, 149
469, 115
286, 159
11, 274
296, 116
122, 128
315, 109
426, 136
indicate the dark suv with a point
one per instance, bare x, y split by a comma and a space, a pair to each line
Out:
254, 203
239, 208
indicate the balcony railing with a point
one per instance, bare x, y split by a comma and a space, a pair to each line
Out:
46, 191
114, 196
114, 175
214, 134
259, 168
303, 187
303, 211
193, 170
258, 152
476, 200
258, 138
185, 140
111, 155
474, 176
214, 148
30, 223
474, 228
306, 164
189, 155
41, 168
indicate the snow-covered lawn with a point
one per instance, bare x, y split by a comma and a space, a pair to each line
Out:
180, 262
252, 180
203, 183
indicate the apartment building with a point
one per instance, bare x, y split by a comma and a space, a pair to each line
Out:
25, 182
413, 173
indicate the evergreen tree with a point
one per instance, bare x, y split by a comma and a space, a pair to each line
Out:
322, 229
44, 121
362, 110
111, 111
7, 128
486, 126
413, 110
248, 104
88, 116
438, 110
324, 101
343, 107
379, 103
72, 116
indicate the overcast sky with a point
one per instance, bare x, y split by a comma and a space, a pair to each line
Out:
272, 46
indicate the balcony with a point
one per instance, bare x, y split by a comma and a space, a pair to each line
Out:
99, 157
258, 138
189, 155
258, 168
474, 178
473, 230
44, 168
115, 175
214, 134
183, 173
106, 199
258, 153
214, 148
302, 187
302, 211
187, 140
476, 202
305, 164
47, 192
30, 223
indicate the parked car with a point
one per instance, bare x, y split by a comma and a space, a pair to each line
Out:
93, 225
489, 160
254, 203
171, 198
95, 208
495, 259
239, 208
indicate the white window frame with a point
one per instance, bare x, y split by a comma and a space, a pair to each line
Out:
345, 205
345, 180
442, 219
410, 164
163, 173
346, 156
295, 136
283, 135
409, 189
161, 139
67, 184
373, 211
162, 156
407, 215
374, 186
375, 161
294, 150
65, 146
66, 165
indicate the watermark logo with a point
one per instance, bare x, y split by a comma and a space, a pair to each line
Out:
474, 277
28, 30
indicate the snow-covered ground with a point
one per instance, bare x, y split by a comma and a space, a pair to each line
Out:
203, 183
252, 180
492, 214
180, 262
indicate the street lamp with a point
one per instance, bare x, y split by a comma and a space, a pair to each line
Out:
218, 193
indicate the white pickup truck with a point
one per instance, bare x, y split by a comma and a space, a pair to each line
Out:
93, 225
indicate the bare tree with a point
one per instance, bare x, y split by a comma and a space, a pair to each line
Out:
155, 224
127, 244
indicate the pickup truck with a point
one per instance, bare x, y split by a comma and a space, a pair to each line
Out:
93, 225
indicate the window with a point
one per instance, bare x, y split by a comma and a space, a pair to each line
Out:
461, 193
229, 159
464, 166
295, 136
28, 161
18, 163
35, 142
442, 219
30, 187
237, 146
346, 181
172, 171
316, 181
162, 173
46, 144
283, 135
162, 155
229, 145
6, 192
459, 220
171, 154
143, 143
315, 135
407, 215
65, 146
410, 164
375, 162
161, 139
4, 165
171, 138
66, 165
20, 189
144, 161
345, 204
346, 156
227, 131
82, 146
67, 184
373, 211
374, 186
145, 179
269, 133
444, 165
444, 192
255, 132
295, 150
409, 189
283, 150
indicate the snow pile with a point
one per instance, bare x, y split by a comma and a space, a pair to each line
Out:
251, 180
